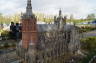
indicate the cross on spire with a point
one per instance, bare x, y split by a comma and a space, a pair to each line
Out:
29, 8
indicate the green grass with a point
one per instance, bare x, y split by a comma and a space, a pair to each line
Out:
89, 45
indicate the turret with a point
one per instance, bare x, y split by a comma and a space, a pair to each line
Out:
60, 13
29, 8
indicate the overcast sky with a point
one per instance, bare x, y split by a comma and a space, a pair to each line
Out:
79, 8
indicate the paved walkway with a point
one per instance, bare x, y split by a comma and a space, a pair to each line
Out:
8, 58
89, 34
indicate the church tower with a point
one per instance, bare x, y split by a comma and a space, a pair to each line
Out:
29, 27
60, 13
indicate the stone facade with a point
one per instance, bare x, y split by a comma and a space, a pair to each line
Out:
53, 46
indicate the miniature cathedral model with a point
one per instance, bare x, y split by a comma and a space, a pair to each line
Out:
46, 43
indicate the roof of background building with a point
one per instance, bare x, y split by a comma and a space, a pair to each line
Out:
50, 27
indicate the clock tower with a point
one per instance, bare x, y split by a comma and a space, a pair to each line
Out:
29, 27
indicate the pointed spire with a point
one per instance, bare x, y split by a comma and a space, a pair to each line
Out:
60, 12
29, 8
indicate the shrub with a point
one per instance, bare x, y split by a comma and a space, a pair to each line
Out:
89, 43
5, 35
13, 45
6, 45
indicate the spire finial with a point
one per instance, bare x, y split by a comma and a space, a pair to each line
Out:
29, 8
60, 12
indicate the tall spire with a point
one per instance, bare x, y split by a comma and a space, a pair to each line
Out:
29, 8
60, 12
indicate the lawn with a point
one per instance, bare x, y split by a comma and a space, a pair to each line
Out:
88, 45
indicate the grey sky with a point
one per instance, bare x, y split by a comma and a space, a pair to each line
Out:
79, 8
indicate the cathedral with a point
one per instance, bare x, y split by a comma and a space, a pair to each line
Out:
47, 43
